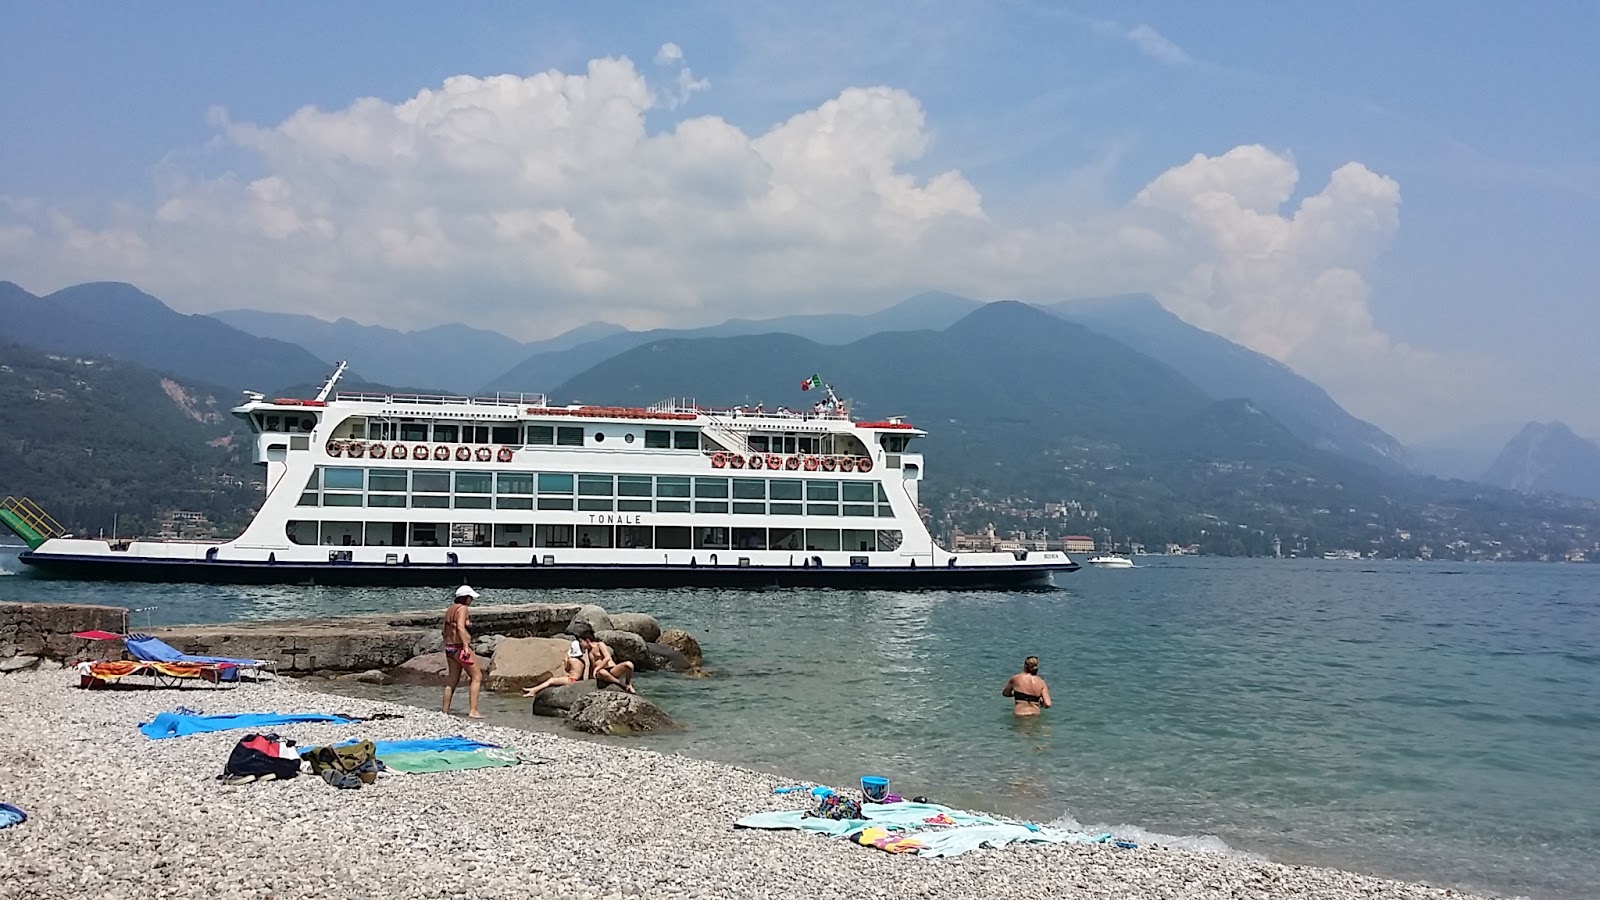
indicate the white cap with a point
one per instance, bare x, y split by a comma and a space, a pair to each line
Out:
465, 591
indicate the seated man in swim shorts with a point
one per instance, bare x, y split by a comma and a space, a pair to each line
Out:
575, 667
605, 668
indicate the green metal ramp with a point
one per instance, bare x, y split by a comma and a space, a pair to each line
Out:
28, 521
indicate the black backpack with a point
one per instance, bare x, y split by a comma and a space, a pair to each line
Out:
251, 757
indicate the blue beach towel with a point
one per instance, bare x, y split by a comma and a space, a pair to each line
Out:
153, 649
170, 725
11, 815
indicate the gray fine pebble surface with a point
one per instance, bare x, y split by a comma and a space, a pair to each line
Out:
116, 815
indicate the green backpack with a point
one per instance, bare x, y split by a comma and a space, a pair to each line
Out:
347, 766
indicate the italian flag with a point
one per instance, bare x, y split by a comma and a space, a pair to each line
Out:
813, 382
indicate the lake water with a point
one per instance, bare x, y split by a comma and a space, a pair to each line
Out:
1425, 721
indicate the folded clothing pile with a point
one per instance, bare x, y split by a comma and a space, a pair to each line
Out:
261, 757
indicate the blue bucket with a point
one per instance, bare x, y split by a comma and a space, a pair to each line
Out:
874, 788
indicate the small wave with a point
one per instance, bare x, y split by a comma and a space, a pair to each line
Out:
1197, 843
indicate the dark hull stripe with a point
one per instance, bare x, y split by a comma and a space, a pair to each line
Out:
553, 576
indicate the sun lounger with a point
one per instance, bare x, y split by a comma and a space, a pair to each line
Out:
153, 649
161, 674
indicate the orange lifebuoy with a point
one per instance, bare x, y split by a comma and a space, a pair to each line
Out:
792, 463
484, 454
379, 451
829, 464
463, 454
420, 451
811, 464
756, 461
398, 451
736, 461
774, 461
441, 452
505, 454
356, 449
718, 460
864, 464
848, 464
334, 448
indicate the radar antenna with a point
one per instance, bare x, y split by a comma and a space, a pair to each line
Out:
327, 386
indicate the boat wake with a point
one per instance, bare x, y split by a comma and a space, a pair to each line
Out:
1204, 843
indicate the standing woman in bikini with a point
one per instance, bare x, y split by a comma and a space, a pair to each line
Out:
1028, 692
458, 652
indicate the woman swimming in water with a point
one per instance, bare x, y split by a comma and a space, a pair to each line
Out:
1028, 692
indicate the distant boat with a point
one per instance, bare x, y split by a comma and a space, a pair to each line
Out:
1336, 554
1111, 562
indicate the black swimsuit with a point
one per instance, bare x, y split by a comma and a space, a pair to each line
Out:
1020, 697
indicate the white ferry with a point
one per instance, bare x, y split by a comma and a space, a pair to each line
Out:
510, 491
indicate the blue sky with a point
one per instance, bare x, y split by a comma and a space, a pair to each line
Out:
1450, 281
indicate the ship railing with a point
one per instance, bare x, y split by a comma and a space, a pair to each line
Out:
690, 406
499, 399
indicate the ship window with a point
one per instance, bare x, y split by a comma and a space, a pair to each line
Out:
784, 509
430, 501
555, 502
552, 536
712, 488
378, 431
569, 436
511, 536
594, 535
633, 485
474, 482
309, 498
882, 496
749, 508
272, 423
302, 532
758, 443
856, 492
789, 445
657, 440
710, 538
858, 540
809, 445
885, 511
859, 509
749, 489
445, 434
599, 437
594, 504
341, 534
749, 539
784, 538
633, 506
299, 442
504, 502
686, 440
633, 536
468, 502
784, 489
424, 534
672, 506
474, 434
315, 481
550, 483
672, 486
627, 438
430, 482
711, 506
386, 500
414, 431
672, 537
341, 499
506, 434
822, 509
465, 535
822, 490
543, 435
595, 486
889, 540
344, 479
822, 539
514, 483
378, 480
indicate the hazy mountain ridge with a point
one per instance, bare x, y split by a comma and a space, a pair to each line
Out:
1548, 458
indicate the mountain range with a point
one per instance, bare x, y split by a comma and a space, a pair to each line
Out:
1548, 458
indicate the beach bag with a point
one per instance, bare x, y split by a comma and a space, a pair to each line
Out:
833, 806
261, 757
347, 766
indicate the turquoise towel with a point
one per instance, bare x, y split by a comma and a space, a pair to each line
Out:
894, 816
960, 839
419, 761
169, 725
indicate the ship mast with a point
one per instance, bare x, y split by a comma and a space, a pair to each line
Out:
327, 386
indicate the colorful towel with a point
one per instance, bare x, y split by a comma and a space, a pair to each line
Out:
420, 761
925, 829
11, 815
169, 725
454, 742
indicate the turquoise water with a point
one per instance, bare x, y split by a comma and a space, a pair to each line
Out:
1424, 721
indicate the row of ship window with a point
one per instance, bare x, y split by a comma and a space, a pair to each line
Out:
660, 537
517, 435
421, 489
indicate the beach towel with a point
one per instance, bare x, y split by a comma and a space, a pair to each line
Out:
11, 815
169, 725
454, 742
926, 829
962, 838
154, 649
423, 761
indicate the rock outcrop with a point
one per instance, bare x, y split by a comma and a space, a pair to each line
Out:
683, 642
645, 626
524, 662
556, 701
668, 659
616, 712
428, 669
593, 616
626, 647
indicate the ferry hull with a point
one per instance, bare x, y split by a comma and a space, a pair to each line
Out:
357, 574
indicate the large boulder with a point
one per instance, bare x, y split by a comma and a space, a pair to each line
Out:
485, 645
371, 676
615, 712
626, 647
18, 663
432, 642
664, 658
524, 662
683, 642
643, 625
592, 616
555, 701
427, 669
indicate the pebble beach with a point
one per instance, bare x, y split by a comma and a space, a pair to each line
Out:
116, 815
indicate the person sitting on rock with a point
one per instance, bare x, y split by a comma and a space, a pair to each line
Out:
575, 667
606, 669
